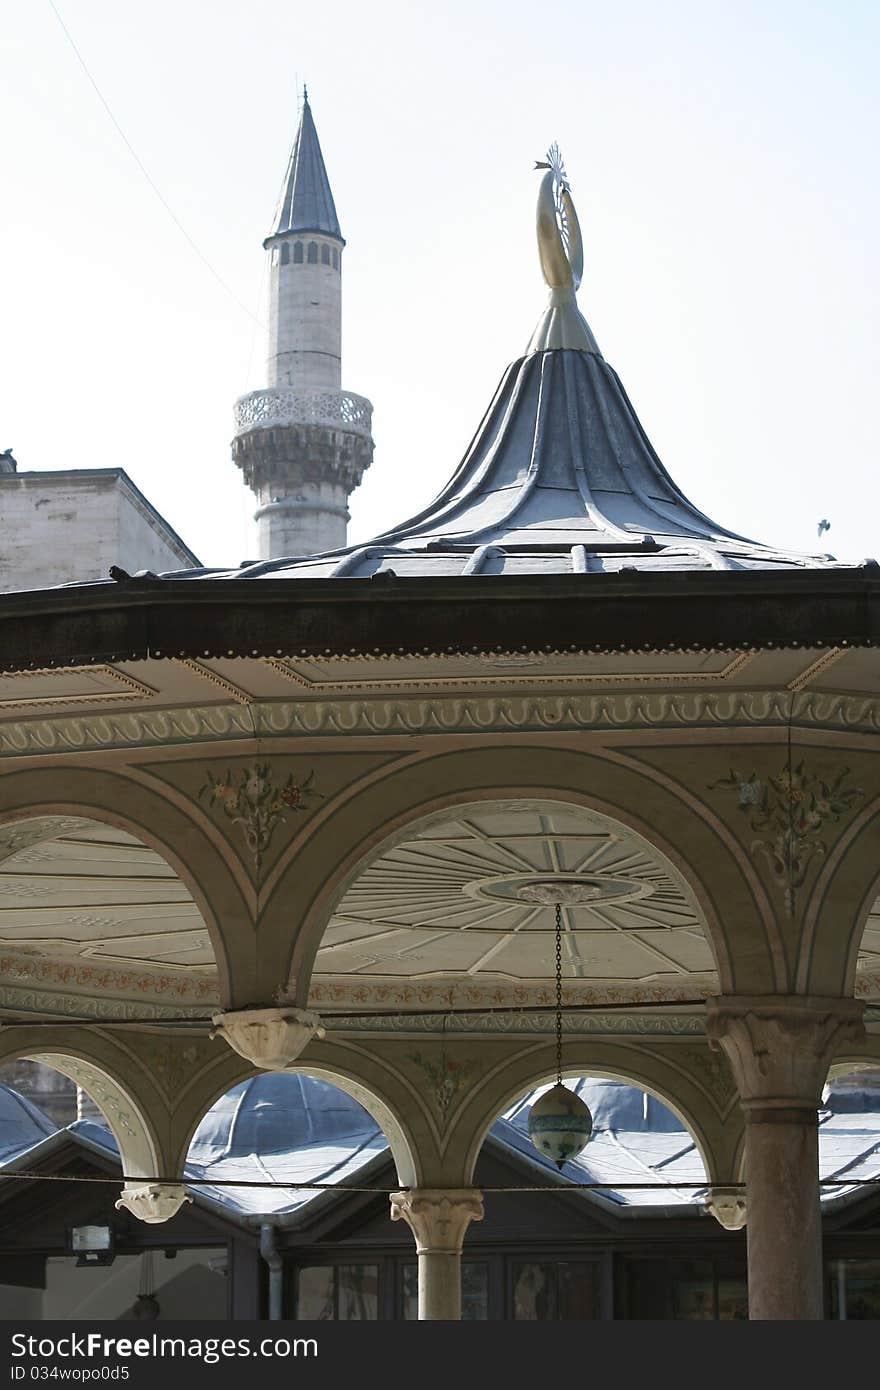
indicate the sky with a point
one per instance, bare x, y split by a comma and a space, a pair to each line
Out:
722, 157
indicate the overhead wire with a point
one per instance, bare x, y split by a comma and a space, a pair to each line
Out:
564, 1186
146, 173
63, 1020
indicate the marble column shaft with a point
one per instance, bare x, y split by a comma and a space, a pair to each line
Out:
438, 1218
780, 1048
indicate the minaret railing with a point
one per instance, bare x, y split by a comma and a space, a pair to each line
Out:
287, 406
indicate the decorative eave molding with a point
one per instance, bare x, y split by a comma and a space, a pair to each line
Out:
817, 668
495, 682
229, 615
130, 689
448, 714
241, 697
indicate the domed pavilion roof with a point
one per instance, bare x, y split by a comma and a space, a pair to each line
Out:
560, 476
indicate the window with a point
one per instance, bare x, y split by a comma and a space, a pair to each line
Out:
555, 1291
856, 1285
313, 253
325, 255
689, 1290
335, 259
285, 254
298, 253
330, 1293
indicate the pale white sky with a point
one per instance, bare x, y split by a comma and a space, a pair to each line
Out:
722, 158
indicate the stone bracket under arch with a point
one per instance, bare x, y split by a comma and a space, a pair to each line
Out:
269, 1038
153, 1202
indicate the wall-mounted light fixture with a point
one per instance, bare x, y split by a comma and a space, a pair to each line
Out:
92, 1245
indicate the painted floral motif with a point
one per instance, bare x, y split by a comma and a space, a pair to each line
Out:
790, 812
253, 800
446, 1076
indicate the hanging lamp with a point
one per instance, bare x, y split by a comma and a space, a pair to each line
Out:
559, 1122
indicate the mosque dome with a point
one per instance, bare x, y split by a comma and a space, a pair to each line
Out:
278, 1113
21, 1124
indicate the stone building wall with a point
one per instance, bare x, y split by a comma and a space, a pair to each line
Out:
65, 526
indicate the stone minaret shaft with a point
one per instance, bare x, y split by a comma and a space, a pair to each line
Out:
303, 443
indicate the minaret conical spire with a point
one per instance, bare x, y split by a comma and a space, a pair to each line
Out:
306, 203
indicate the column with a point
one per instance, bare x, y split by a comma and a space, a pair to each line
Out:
780, 1048
438, 1218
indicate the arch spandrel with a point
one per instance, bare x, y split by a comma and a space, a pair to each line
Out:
791, 808
369, 817
259, 803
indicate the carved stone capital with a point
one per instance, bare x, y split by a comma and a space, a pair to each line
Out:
780, 1046
153, 1202
269, 1038
728, 1206
438, 1217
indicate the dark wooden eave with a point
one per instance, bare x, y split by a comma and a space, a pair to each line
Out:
143, 618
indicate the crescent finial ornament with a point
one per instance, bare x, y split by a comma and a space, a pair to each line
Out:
561, 253
560, 244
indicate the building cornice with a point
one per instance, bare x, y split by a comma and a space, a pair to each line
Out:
231, 616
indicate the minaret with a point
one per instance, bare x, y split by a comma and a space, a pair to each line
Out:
303, 443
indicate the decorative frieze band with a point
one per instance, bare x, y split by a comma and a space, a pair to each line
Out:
447, 714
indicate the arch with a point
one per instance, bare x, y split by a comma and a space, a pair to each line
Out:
846, 889
313, 253
391, 802
137, 809
861, 1141
285, 253
401, 1140
135, 1132
297, 253
527, 1072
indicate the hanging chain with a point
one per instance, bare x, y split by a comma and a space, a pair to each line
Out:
558, 994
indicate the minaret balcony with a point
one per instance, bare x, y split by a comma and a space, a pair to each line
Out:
279, 406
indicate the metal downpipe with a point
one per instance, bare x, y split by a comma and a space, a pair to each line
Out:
269, 1252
